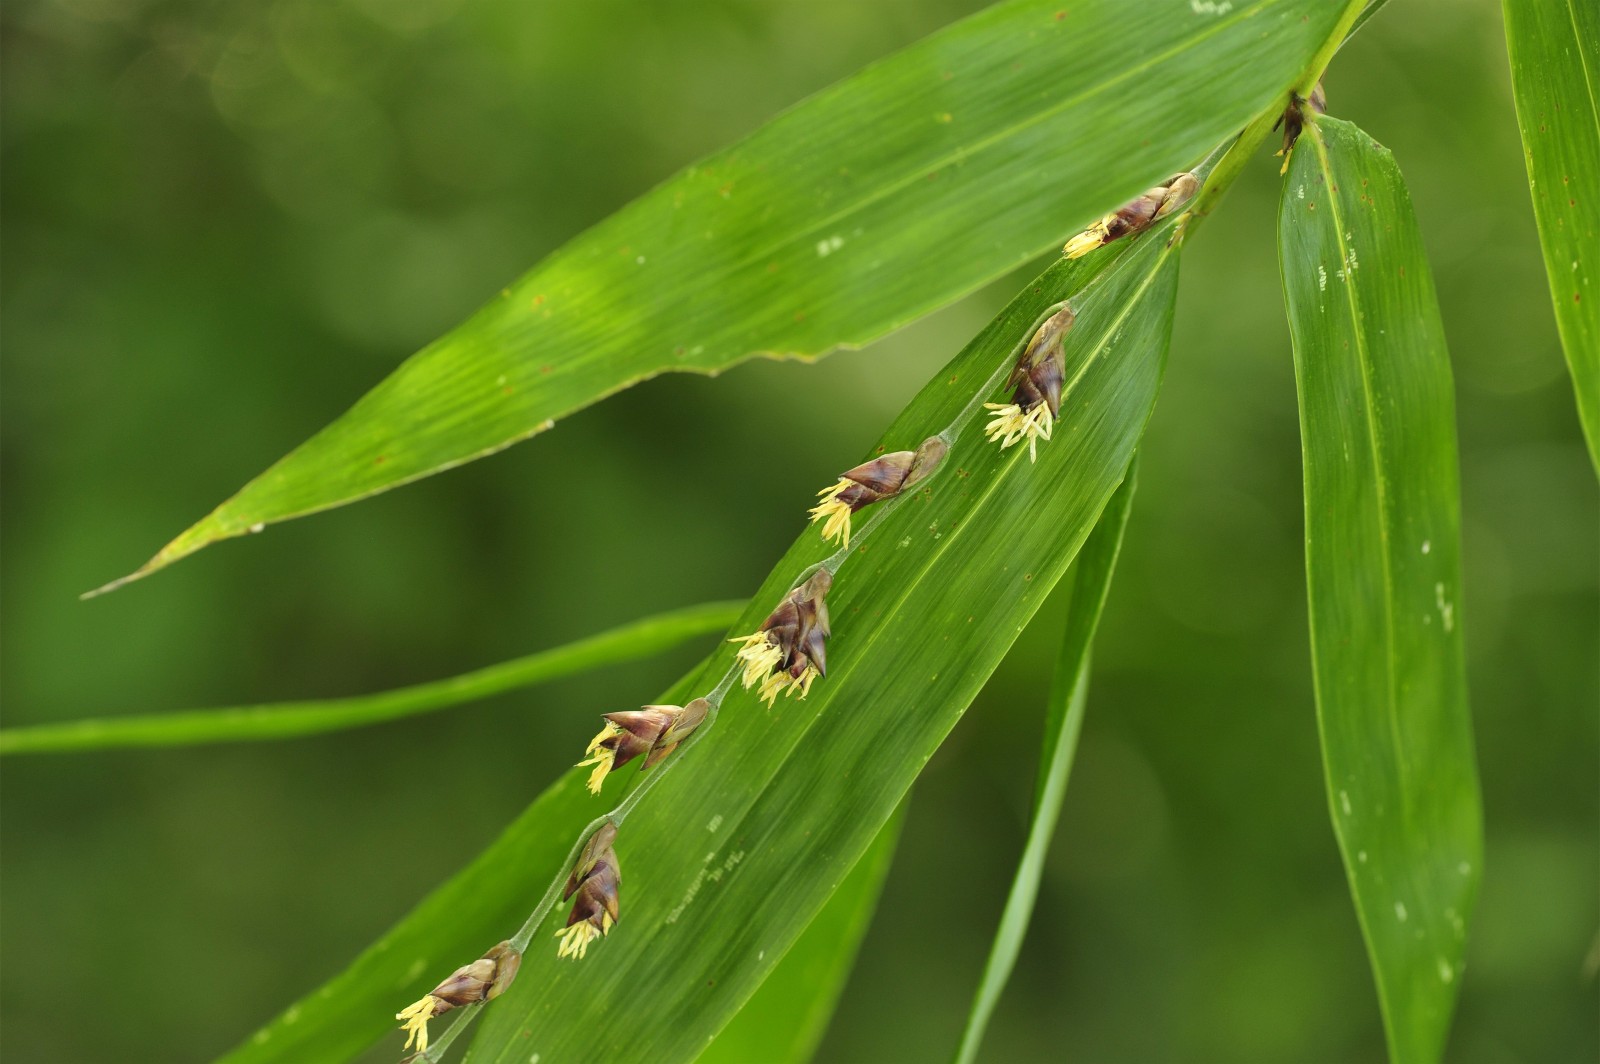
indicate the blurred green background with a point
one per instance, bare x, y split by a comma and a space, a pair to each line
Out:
223, 222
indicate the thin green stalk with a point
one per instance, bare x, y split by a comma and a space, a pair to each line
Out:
286, 720
1063, 721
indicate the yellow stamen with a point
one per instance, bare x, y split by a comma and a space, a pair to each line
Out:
602, 757
834, 514
760, 657
576, 938
1086, 241
772, 687
415, 1019
781, 683
1010, 425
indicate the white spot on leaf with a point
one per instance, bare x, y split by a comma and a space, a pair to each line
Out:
829, 245
1447, 610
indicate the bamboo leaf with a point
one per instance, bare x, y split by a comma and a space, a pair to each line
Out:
860, 209
1555, 77
786, 1018
287, 720
732, 855
800, 791
1064, 708
1383, 547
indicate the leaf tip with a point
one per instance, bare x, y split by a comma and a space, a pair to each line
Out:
190, 541
111, 586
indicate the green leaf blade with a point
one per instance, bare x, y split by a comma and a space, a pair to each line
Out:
486, 901
848, 216
1554, 48
1383, 571
732, 855
1064, 710
785, 1019
288, 720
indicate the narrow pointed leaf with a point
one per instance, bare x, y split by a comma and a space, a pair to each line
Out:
1064, 708
287, 720
860, 209
1555, 78
730, 856
1383, 546
786, 1018
987, 520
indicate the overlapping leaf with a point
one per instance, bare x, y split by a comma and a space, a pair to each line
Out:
860, 209
1555, 77
1383, 569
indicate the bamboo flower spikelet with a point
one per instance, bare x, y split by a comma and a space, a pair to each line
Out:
1036, 388
595, 880
1135, 216
1293, 120
882, 478
652, 732
483, 979
788, 652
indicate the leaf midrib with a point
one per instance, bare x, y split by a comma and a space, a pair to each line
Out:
1583, 63
1364, 360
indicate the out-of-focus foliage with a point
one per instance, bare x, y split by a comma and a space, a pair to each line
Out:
221, 221
1554, 47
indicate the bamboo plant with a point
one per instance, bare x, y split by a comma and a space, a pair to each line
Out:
697, 884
